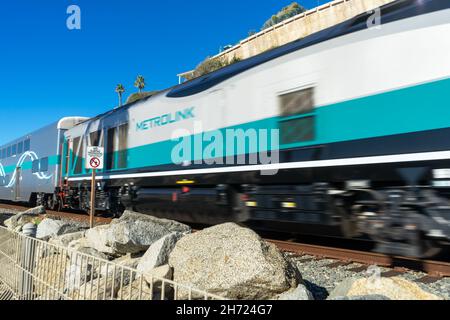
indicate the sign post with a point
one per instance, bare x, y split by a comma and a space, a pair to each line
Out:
94, 162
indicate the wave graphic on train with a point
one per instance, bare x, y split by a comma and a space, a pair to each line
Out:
29, 154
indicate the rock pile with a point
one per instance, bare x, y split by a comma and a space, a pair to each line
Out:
136, 255
226, 260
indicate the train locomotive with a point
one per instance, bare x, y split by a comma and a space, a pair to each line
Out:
355, 122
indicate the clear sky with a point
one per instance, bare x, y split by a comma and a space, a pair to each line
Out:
48, 71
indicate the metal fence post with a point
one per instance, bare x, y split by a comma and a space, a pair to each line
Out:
27, 259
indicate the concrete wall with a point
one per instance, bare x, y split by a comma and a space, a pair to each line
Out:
301, 26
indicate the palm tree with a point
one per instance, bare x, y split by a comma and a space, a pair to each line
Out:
140, 83
120, 89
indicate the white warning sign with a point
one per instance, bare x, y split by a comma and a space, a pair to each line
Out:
95, 158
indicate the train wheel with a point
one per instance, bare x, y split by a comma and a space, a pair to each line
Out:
428, 248
59, 204
413, 245
349, 227
54, 203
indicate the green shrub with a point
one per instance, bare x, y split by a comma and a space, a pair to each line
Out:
138, 96
210, 65
287, 12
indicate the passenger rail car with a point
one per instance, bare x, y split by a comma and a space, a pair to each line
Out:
363, 127
30, 168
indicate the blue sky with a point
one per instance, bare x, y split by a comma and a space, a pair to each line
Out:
48, 72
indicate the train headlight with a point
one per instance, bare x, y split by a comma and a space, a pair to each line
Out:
288, 205
441, 174
251, 204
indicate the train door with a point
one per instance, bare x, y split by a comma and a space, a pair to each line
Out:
17, 185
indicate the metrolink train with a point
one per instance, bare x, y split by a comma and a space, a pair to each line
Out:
352, 129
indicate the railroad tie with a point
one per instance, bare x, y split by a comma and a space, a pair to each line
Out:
429, 279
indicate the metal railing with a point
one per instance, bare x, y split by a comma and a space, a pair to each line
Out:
32, 269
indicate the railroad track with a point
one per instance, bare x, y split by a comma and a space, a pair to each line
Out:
436, 270
78, 216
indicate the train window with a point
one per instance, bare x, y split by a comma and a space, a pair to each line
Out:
297, 130
13, 149
43, 165
79, 156
67, 157
26, 145
110, 148
123, 144
4, 153
8, 152
20, 147
297, 122
95, 138
298, 102
75, 145
35, 166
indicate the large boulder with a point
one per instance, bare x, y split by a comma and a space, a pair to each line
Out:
111, 277
299, 293
158, 253
65, 239
158, 274
98, 239
149, 287
232, 262
127, 261
168, 225
50, 228
5, 214
132, 233
138, 290
17, 221
392, 288
120, 269
83, 267
50, 276
98, 289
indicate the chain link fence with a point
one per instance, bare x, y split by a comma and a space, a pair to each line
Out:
31, 269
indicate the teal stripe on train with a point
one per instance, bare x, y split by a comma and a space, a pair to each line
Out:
419, 108
27, 165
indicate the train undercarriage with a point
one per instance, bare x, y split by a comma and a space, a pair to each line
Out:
403, 221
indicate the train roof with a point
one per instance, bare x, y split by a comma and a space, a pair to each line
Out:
62, 124
394, 11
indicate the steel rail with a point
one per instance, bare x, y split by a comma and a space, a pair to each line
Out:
433, 268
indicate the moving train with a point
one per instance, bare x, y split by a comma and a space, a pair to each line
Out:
343, 133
